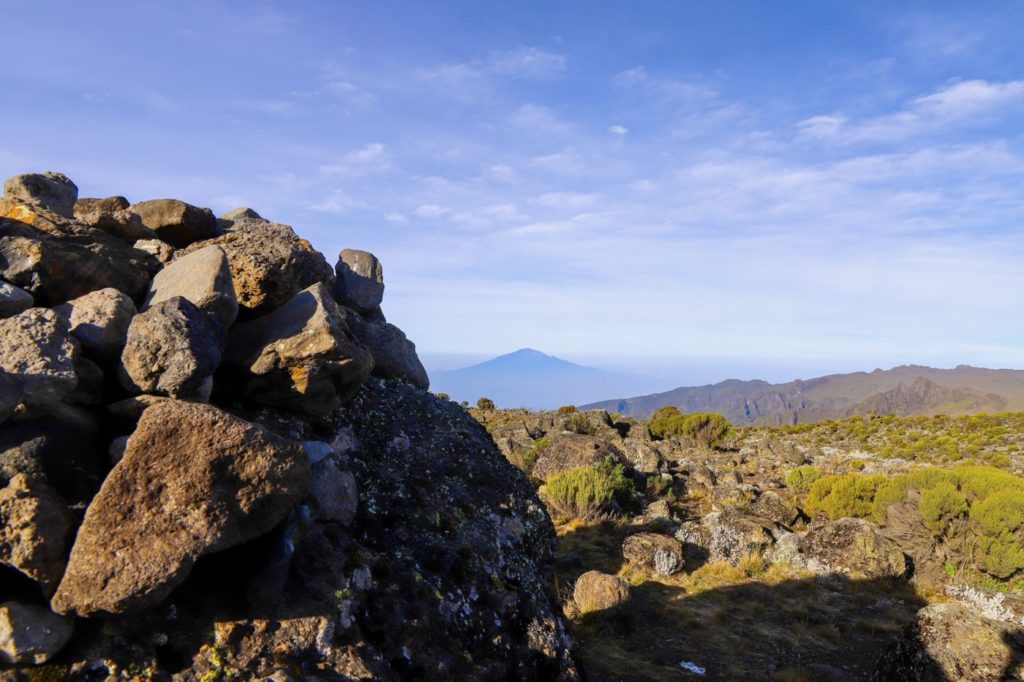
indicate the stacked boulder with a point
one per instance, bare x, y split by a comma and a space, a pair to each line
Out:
213, 442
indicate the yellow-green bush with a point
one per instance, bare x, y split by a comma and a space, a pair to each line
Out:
843, 495
587, 491
1000, 516
566, 409
801, 478
707, 428
941, 505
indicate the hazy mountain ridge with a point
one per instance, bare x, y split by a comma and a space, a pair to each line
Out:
904, 390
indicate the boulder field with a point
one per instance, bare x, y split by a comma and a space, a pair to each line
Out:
218, 460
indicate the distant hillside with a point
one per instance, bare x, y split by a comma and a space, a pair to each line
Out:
529, 378
905, 390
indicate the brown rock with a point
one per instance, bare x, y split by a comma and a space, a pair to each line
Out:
660, 553
38, 354
34, 529
31, 634
193, 480
852, 546
301, 357
568, 450
89, 205
51, 191
204, 278
122, 224
176, 222
99, 320
596, 591
771, 506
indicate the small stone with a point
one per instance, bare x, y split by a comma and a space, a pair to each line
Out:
360, 280
176, 222
51, 191
333, 492
13, 300
204, 278
31, 634
161, 251
596, 591
99, 320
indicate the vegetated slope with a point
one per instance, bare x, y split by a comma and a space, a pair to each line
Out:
905, 390
529, 378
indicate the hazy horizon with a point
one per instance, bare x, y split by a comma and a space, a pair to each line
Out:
830, 187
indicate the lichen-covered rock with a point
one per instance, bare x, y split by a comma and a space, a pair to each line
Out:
31, 634
13, 300
34, 529
394, 356
596, 591
360, 280
99, 320
38, 354
643, 456
853, 546
193, 480
301, 357
568, 450
269, 265
771, 506
172, 350
204, 278
176, 222
51, 191
657, 552
952, 642
730, 535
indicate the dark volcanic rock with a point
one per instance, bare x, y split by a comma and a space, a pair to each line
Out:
99, 320
852, 546
360, 280
13, 300
176, 222
35, 525
193, 480
30, 633
87, 205
660, 553
394, 356
204, 278
38, 355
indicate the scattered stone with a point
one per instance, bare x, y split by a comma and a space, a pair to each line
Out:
172, 349
85, 206
771, 506
204, 278
301, 357
194, 480
660, 553
269, 265
34, 529
852, 546
49, 190
31, 634
13, 300
38, 353
360, 280
175, 222
99, 320
596, 591
394, 356
333, 492
951, 642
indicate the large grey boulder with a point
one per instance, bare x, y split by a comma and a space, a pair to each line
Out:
176, 222
269, 264
99, 320
31, 634
394, 356
730, 535
204, 278
35, 526
172, 349
301, 357
193, 480
51, 191
852, 546
360, 280
13, 300
38, 353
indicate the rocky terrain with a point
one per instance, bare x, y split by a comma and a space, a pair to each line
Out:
219, 461
879, 548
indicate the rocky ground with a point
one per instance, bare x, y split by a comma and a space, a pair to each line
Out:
219, 461
722, 563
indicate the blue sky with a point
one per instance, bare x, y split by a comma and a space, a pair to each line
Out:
827, 184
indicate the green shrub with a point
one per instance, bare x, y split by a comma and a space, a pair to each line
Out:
844, 495
707, 428
566, 409
485, 404
577, 422
1000, 517
801, 478
586, 492
941, 505
443, 396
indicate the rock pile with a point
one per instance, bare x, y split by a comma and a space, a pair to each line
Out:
219, 460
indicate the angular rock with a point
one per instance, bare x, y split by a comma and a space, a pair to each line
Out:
771, 506
13, 300
730, 535
99, 320
644, 457
239, 219
37, 352
952, 642
161, 251
660, 553
360, 280
35, 525
88, 205
596, 591
302, 357
394, 356
122, 224
57, 262
568, 450
269, 265
132, 408
175, 222
51, 191
193, 480
333, 493
852, 546
31, 634
173, 348
204, 278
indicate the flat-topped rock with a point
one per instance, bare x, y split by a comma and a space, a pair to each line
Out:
204, 278
176, 222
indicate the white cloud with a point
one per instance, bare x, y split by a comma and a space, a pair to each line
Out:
431, 211
369, 158
336, 202
618, 130
529, 63
639, 79
538, 118
565, 200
